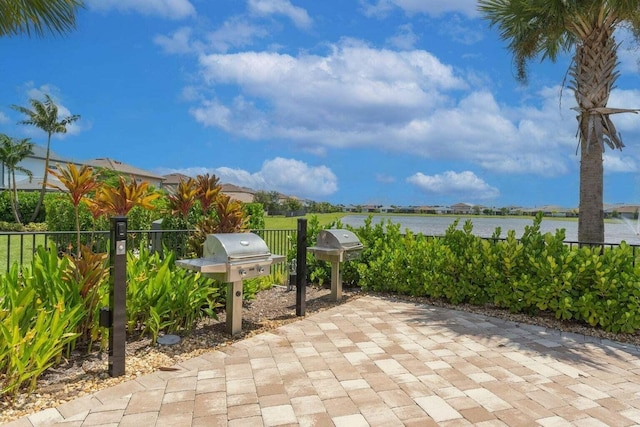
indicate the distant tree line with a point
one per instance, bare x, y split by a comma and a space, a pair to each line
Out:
276, 204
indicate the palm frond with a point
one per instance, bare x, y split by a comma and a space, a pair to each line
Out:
38, 16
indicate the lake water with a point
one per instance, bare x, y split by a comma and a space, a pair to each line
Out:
615, 231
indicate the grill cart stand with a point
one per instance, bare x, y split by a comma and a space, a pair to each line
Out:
230, 258
336, 246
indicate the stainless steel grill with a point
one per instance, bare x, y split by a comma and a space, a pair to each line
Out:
231, 258
336, 246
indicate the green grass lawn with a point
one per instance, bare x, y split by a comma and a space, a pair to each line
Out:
282, 223
18, 248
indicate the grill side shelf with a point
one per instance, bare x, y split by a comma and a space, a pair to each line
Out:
202, 265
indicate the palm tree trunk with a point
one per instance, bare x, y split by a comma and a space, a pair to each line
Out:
44, 181
593, 76
15, 204
591, 215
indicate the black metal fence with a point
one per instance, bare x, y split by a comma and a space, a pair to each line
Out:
19, 247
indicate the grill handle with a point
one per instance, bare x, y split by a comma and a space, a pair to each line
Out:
233, 258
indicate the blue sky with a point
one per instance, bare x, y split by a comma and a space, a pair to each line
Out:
405, 102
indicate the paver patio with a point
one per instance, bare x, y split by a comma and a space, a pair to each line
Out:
378, 362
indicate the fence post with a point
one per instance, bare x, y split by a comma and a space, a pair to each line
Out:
117, 295
301, 268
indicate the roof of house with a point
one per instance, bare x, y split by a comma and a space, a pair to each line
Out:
36, 184
463, 205
118, 166
40, 152
622, 208
174, 178
230, 188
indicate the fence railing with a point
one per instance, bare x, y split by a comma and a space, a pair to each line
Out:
20, 246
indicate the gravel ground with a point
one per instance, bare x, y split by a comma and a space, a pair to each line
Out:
86, 373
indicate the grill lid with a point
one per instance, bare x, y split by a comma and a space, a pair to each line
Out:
234, 247
338, 239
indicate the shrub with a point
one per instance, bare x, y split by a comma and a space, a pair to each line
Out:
27, 204
11, 226
537, 272
162, 297
39, 313
255, 213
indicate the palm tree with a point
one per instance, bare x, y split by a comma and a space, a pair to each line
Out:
25, 16
45, 116
585, 28
12, 152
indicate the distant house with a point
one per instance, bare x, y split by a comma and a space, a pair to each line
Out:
371, 208
462, 208
36, 161
550, 210
427, 209
140, 175
170, 182
241, 194
35, 164
625, 211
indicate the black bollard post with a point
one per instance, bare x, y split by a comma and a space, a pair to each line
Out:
301, 268
117, 295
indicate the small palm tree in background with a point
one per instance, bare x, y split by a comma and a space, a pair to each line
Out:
38, 16
547, 28
12, 152
44, 115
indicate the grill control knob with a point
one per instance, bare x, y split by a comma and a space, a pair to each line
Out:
243, 272
260, 270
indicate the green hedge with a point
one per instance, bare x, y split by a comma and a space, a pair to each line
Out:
27, 201
535, 273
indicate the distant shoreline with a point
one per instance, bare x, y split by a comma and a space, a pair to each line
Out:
280, 222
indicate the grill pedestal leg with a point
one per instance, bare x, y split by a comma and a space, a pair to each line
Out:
234, 307
336, 281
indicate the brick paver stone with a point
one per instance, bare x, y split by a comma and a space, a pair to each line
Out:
378, 362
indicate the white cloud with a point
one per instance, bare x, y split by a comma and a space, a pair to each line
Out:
461, 31
179, 42
404, 39
234, 33
617, 163
628, 51
288, 176
625, 122
403, 101
360, 96
314, 97
298, 15
172, 9
295, 177
433, 7
385, 179
450, 183
3, 118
